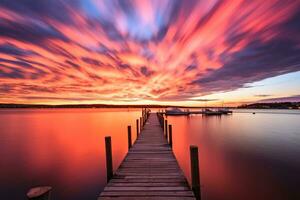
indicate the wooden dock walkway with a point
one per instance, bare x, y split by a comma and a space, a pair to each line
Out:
149, 170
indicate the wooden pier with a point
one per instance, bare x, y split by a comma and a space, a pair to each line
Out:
150, 169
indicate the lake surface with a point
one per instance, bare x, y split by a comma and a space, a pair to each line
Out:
242, 156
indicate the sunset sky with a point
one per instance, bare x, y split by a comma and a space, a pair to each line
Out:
181, 52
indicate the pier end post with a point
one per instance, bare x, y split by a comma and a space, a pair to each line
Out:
129, 137
109, 163
137, 128
166, 129
170, 136
195, 171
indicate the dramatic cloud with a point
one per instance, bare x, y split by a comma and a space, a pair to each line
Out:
133, 50
295, 98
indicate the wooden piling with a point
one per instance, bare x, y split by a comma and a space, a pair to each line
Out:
109, 163
143, 115
137, 128
195, 171
141, 124
170, 136
39, 193
166, 129
129, 137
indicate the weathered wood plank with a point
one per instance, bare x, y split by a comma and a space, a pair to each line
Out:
149, 170
148, 180
152, 188
146, 198
148, 193
146, 184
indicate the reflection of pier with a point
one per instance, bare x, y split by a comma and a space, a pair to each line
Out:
150, 169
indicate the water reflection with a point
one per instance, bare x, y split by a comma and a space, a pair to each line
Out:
242, 156
61, 148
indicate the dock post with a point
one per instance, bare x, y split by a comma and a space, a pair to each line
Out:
137, 128
146, 114
39, 193
195, 171
166, 129
129, 137
141, 124
109, 163
170, 136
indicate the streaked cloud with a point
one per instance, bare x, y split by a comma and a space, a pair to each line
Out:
294, 98
132, 50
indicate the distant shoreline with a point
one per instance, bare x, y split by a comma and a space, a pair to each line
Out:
273, 105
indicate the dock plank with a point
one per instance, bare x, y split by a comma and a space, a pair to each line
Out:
149, 170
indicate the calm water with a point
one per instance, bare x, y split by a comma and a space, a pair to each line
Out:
242, 156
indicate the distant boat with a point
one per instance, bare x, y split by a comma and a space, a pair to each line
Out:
176, 111
225, 111
212, 112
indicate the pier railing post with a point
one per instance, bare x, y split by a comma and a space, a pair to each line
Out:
195, 171
170, 136
166, 129
39, 193
141, 124
109, 163
129, 137
137, 128
144, 115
